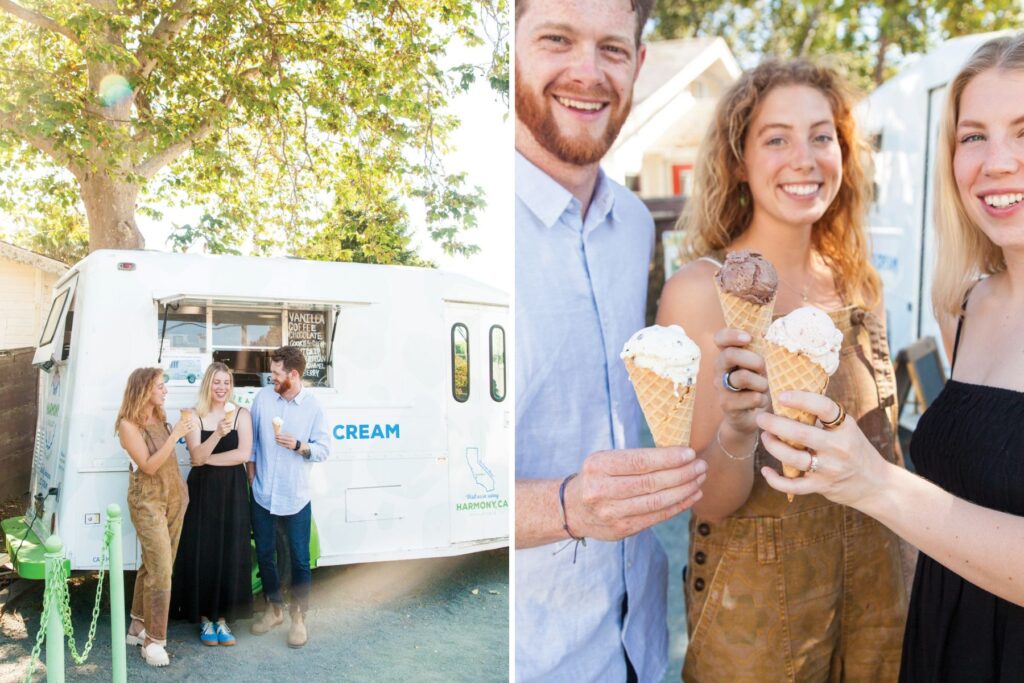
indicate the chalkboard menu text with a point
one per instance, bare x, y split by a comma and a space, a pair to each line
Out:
307, 330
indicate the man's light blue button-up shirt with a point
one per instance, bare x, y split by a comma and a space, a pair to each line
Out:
581, 287
282, 475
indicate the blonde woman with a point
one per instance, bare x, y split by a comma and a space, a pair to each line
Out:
966, 510
157, 499
776, 591
213, 572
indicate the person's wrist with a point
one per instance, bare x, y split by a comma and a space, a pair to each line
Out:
878, 484
738, 444
567, 502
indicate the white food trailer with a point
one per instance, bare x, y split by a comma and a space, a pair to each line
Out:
902, 119
408, 364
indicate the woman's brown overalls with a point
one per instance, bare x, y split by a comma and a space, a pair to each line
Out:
156, 503
810, 590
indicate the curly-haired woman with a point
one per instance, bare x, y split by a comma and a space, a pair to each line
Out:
157, 499
779, 591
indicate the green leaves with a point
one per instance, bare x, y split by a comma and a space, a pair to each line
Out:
869, 40
289, 122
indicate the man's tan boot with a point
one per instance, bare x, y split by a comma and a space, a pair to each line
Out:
271, 618
297, 633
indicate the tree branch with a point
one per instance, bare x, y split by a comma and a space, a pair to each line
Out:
149, 168
44, 145
36, 19
164, 33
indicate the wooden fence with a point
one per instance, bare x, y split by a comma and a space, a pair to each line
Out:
18, 402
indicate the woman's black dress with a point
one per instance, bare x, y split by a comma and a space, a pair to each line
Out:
213, 569
970, 442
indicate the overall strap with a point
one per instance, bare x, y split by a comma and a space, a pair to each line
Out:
884, 376
150, 444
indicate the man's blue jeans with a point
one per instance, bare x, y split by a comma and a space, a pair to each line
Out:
296, 529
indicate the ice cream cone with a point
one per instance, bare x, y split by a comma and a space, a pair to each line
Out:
278, 425
789, 371
752, 318
667, 406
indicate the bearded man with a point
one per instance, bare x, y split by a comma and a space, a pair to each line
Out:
289, 435
590, 575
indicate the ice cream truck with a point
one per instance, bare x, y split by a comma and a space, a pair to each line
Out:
902, 118
409, 365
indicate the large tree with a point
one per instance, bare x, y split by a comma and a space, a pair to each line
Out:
870, 38
311, 123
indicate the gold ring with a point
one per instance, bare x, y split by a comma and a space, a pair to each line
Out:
834, 424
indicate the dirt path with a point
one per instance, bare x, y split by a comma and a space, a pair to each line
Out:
426, 620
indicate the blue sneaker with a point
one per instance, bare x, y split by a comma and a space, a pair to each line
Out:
224, 634
208, 633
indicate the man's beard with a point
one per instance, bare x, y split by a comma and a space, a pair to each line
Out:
534, 110
283, 386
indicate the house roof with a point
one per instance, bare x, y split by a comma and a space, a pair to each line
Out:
31, 258
665, 59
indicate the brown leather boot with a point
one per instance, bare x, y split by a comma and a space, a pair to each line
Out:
297, 633
272, 617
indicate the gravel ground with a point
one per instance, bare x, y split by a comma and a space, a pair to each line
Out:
442, 619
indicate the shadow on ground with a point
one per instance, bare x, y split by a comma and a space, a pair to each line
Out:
443, 619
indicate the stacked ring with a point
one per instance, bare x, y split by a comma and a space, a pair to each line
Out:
726, 383
835, 423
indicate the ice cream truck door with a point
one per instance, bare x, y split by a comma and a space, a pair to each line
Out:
49, 453
479, 424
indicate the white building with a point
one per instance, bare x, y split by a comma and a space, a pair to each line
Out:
26, 284
673, 102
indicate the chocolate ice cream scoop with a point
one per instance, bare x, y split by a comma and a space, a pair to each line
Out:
748, 276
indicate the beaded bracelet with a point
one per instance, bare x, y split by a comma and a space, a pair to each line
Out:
718, 438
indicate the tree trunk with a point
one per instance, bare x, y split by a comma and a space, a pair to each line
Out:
110, 208
883, 45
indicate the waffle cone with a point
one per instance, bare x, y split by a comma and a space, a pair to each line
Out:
278, 428
752, 318
668, 408
789, 371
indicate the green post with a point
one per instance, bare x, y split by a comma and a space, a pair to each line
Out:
54, 628
119, 664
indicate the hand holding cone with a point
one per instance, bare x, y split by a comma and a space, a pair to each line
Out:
746, 286
662, 363
801, 352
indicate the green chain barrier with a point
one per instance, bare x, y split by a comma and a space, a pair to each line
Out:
56, 596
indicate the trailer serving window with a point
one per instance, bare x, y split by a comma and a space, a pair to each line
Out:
243, 335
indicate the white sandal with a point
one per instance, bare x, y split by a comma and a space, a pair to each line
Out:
155, 655
139, 639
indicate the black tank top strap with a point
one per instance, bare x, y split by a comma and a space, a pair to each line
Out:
960, 326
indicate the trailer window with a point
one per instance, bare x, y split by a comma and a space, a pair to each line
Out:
186, 329
56, 311
246, 330
498, 363
460, 362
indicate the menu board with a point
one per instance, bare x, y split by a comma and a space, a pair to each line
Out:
307, 330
